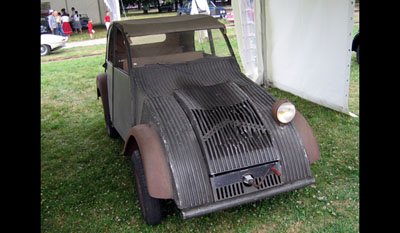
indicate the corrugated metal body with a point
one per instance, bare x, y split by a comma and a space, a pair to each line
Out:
233, 135
188, 165
294, 161
188, 168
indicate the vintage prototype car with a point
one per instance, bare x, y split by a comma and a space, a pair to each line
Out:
198, 131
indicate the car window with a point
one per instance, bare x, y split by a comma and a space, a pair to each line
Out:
149, 39
120, 52
212, 43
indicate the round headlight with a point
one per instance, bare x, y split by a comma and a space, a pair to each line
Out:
283, 111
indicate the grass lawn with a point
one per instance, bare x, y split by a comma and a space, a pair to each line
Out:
86, 185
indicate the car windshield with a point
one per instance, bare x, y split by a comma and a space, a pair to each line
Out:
178, 47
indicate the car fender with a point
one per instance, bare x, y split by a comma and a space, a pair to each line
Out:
146, 138
307, 136
102, 91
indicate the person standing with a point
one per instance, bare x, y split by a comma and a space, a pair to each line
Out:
58, 20
107, 19
52, 22
66, 26
77, 23
71, 17
90, 28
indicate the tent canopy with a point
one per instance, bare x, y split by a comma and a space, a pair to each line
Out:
299, 46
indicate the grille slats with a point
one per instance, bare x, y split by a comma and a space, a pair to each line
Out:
231, 132
238, 188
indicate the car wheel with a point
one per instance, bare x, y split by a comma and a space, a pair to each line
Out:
151, 207
44, 50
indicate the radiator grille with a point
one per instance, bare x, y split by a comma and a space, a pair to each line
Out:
232, 133
228, 191
237, 189
229, 132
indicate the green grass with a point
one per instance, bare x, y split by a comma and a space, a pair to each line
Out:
87, 186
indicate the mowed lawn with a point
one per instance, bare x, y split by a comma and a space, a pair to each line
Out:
87, 186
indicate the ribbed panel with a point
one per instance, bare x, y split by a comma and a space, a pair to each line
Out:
237, 189
232, 134
162, 80
189, 169
294, 162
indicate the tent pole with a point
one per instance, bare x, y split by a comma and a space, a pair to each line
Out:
123, 8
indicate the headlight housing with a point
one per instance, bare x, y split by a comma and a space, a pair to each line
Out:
283, 111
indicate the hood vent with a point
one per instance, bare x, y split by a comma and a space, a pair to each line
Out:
232, 134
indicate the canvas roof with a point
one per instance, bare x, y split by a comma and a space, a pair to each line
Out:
142, 27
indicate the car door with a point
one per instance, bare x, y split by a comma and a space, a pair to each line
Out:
119, 84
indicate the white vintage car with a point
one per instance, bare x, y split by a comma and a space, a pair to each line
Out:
50, 42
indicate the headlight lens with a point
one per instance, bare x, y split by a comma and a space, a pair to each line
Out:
283, 111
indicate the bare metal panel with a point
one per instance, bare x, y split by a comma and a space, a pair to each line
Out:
122, 103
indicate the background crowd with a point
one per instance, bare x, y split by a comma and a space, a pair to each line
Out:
63, 24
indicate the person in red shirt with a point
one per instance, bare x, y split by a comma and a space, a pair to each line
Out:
107, 19
90, 28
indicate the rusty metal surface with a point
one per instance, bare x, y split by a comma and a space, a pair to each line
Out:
307, 137
189, 167
147, 140
101, 83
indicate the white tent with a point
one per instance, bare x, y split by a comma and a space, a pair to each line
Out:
199, 7
113, 7
300, 46
95, 9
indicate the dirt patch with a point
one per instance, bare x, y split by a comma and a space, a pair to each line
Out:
72, 57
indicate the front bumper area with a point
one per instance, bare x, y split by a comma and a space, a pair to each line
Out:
240, 200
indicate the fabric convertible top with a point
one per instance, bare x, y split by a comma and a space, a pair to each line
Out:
142, 27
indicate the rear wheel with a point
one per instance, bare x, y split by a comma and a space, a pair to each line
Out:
44, 50
151, 207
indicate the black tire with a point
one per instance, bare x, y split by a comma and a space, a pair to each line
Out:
151, 207
44, 50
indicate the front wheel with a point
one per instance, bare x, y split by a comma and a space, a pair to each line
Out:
151, 207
